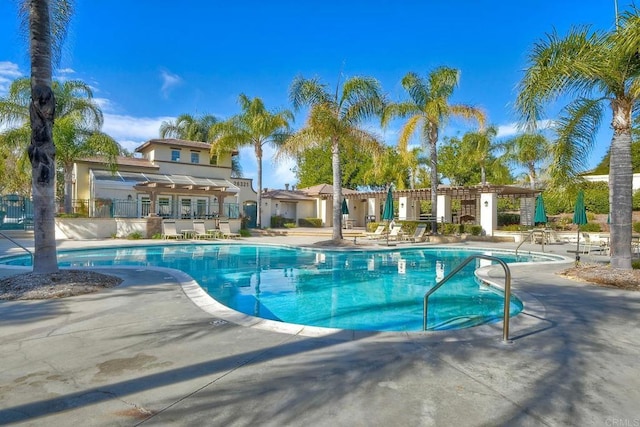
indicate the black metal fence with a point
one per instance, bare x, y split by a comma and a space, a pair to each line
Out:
125, 208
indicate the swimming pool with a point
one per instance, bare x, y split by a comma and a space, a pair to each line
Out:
362, 290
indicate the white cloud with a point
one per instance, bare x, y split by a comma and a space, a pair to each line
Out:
132, 131
169, 81
67, 71
8, 73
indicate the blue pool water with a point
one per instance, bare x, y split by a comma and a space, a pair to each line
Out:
365, 290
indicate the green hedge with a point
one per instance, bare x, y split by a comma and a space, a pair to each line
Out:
278, 221
508, 219
310, 222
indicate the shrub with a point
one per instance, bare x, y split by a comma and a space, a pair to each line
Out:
289, 225
449, 228
474, 230
514, 227
590, 227
635, 264
508, 219
278, 221
244, 232
136, 235
636, 227
310, 222
157, 236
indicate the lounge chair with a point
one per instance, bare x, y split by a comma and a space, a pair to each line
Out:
225, 231
419, 234
378, 234
169, 230
200, 231
395, 233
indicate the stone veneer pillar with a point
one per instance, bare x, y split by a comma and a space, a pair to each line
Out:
154, 226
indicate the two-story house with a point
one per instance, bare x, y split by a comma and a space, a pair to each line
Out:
172, 178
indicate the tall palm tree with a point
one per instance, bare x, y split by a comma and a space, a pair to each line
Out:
47, 20
334, 117
481, 144
188, 127
255, 126
427, 111
528, 150
78, 120
599, 70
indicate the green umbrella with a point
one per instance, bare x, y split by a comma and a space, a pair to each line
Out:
579, 218
541, 215
345, 208
387, 213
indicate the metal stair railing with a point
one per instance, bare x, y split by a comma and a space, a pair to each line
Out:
18, 244
507, 291
531, 233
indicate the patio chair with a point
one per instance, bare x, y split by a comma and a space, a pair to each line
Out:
378, 234
226, 233
395, 233
419, 234
200, 231
169, 230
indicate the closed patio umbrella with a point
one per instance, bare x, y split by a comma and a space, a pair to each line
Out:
540, 215
387, 213
345, 208
579, 218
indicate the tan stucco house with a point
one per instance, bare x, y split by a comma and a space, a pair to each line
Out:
171, 178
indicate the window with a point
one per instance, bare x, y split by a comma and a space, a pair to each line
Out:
185, 208
175, 155
195, 157
164, 207
201, 208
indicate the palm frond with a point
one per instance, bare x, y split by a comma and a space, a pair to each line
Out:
577, 128
306, 92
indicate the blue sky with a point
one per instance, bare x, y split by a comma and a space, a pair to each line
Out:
150, 61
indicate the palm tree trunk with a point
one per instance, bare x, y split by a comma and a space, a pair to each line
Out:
337, 190
433, 176
42, 149
68, 188
620, 187
259, 207
532, 176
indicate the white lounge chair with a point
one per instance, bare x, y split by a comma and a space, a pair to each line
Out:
169, 230
418, 235
200, 231
395, 233
226, 233
378, 234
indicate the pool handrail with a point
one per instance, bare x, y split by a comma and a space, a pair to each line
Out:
18, 244
507, 291
531, 233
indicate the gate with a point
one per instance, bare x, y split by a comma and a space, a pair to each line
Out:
250, 213
16, 212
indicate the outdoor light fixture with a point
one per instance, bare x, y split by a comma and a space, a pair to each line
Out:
486, 204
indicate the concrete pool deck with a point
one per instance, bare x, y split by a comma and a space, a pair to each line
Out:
144, 354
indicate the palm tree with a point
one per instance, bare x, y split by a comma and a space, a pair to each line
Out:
528, 150
599, 70
427, 111
188, 127
481, 144
255, 126
334, 118
44, 31
78, 120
